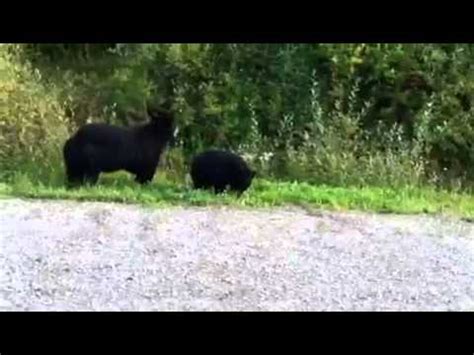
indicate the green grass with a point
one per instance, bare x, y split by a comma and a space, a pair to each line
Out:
263, 193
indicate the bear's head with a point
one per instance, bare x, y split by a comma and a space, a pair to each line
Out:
163, 121
246, 179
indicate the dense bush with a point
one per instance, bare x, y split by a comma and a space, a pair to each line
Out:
32, 120
333, 113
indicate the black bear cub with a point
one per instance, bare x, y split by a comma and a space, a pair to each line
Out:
220, 170
98, 148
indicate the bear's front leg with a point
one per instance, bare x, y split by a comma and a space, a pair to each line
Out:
145, 177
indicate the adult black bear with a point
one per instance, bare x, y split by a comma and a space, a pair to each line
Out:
219, 170
98, 148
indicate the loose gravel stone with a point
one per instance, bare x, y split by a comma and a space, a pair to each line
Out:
64, 255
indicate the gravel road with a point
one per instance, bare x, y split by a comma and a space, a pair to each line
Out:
64, 255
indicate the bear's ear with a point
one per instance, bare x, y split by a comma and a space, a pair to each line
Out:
160, 114
151, 111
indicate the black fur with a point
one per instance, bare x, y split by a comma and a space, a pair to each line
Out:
98, 148
220, 170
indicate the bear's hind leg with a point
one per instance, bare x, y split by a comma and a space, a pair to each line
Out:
91, 178
145, 178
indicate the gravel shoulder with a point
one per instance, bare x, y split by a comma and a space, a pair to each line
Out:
65, 255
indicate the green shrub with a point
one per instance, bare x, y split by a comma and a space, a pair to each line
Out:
32, 121
329, 113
